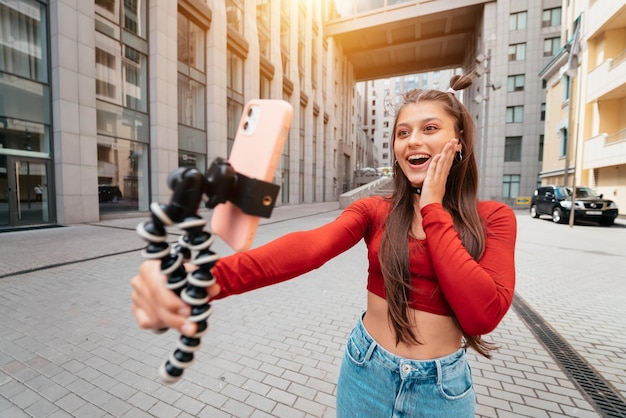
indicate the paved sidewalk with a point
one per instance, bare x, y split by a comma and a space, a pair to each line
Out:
69, 345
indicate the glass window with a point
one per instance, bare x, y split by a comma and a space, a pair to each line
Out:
285, 36
24, 99
121, 122
515, 114
235, 14
517, 52
540, 148
265, 87
566, 87
551, 17
516, 82
517, 21
314, 60
191, 74
191, 102
235, 85
121, 74
510, 185
513, 148
542, 115
551, 46
108, 8
191, 43
122, 174
132, 16
21, 135
23, 45
301, 45
263, 19
564, 140
235, 74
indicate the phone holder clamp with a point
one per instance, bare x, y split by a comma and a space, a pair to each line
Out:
220, 184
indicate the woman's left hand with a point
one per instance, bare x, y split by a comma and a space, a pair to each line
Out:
434, 186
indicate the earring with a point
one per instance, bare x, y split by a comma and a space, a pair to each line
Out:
459, 155
397, 163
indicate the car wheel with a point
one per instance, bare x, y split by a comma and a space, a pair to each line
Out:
557, 216
533, 211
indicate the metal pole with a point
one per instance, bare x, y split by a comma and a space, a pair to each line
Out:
574, 141
485, 128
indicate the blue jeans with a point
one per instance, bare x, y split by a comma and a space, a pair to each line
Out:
376, 383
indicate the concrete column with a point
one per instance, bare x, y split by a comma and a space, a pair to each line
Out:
72, 52
217, 114
163, 86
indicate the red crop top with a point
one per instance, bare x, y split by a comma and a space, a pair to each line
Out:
448, 280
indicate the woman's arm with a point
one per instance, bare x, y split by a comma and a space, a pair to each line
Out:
154, 306
480, 293
291, 255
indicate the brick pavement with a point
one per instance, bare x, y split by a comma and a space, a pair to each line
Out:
70, 347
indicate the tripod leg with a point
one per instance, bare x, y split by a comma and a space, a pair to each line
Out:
194, 294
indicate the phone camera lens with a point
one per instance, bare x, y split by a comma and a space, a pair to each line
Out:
245, 125
250, 112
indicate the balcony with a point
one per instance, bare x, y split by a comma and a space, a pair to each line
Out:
605, 150
605, 15
607, 80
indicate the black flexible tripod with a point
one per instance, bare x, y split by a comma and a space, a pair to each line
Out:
190, 187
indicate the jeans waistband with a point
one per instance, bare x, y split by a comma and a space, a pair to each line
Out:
394, 362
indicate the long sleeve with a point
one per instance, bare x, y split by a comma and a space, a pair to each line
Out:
480, 293
291, 255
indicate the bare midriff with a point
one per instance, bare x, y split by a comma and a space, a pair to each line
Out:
439, 335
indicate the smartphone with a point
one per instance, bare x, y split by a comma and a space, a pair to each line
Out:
261, 135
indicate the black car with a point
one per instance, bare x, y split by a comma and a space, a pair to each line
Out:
109, 193
556, 201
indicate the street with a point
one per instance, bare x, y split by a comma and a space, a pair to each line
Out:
69, 345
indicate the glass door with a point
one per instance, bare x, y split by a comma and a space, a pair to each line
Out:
24, 193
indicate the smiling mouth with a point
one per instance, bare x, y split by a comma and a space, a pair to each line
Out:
417, 160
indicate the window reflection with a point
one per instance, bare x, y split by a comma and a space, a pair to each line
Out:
20, 135
121, 74
131, 17
122, 174
191, 74
23, 47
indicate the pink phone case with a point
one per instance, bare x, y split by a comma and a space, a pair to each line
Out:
263, 129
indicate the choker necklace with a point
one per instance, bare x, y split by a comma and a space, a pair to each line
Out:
416, 190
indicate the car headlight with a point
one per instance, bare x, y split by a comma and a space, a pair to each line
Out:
580, 205
567, 204
612, 205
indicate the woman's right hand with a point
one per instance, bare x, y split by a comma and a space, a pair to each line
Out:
155, 306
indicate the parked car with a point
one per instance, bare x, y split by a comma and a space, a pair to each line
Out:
556, 201
109, 193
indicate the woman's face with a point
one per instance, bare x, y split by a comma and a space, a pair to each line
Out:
422, 129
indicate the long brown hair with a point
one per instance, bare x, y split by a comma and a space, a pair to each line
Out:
460, 200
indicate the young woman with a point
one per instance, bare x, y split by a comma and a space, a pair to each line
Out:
441, 270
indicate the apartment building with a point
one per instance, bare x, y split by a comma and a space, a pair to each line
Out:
586, 101
101, 100
516, 41
513, 42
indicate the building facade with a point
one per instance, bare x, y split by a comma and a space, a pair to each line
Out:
100, 101
586, 100
517, 40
